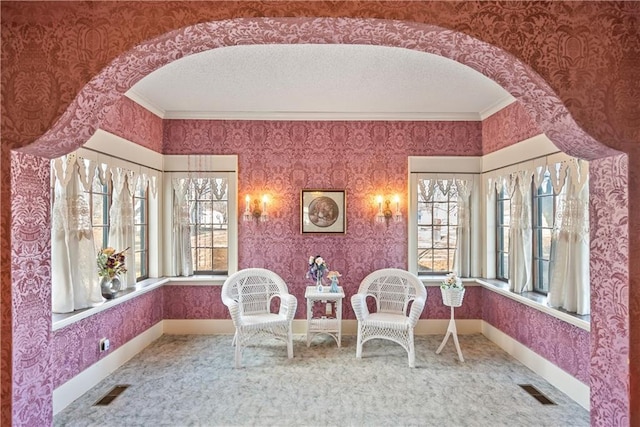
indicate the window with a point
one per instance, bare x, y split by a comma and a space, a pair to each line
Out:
208, 200
437, 225
545, 207
200, 216
141, 229
503, 221
99, 204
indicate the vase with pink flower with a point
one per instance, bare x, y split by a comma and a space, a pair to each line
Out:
110, 265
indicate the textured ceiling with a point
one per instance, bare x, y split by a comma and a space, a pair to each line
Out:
318, 82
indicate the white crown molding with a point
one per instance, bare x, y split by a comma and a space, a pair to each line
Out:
145, 103
497, 106
320, 116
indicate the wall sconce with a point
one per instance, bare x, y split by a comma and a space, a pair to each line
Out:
385, 213
254, 210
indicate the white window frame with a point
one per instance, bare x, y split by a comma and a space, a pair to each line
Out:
190, 166
105, 147
444, 166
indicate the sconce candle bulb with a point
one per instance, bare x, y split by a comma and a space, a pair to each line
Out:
398, 214
253, 209
385, 213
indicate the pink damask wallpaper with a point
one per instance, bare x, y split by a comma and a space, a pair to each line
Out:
567, 346
282, 158
26, 346
75, 348
130, 121
612, 321
583, 51
510, 124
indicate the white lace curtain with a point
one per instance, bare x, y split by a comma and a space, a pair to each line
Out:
569, 258
75, 281
569, 277
182, 264
121, 227
520, 249
459, 186
74, 273
185, 190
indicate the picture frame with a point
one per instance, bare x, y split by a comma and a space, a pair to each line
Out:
323, 211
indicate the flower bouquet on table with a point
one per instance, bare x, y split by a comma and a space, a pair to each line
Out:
452, 290
110, 265
317, 270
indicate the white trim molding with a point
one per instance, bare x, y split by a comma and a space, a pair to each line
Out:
85, 380
560, 379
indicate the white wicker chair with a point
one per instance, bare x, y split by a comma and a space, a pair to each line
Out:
392, 289
248, 294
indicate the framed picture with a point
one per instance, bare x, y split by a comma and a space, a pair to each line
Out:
323, 211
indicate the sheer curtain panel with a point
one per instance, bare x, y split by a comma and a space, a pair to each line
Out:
520, 249
569, 283
182, 264
121, 228
74, 273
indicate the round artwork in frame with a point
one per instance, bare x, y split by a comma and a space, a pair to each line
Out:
323, 211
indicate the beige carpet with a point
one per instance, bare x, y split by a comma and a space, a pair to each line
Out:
190, 381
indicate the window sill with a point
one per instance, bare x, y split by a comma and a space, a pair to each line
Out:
531, 299
61, 320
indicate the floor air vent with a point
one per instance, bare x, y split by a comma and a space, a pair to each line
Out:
540, 397
111, 395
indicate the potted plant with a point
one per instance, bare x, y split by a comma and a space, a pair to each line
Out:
452, 290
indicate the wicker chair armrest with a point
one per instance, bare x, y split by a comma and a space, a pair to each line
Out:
234, 310
416, 310
288, 305
359, 304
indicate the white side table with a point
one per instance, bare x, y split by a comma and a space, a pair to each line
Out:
329, 326
452, 298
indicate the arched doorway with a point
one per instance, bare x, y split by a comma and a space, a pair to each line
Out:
91, 106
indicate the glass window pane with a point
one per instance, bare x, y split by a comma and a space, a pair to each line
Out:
425, 259
425, 236
546, 212
545, 243
205, 236
220, 259
204, 259
505, 266
220, 239
440, 260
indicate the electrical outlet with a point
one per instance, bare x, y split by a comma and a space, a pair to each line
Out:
104, 344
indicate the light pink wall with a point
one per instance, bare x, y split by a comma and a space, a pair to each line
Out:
31, 291
565, 345
130, 121
507, 126
75, 347
282, 158
610, 317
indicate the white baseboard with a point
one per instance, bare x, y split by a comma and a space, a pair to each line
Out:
349, 327
557, 377
85, 380
198, 327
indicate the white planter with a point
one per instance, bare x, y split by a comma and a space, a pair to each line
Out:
452, 297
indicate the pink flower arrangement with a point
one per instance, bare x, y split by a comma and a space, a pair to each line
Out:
110, 262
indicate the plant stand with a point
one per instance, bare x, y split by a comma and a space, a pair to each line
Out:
452, 298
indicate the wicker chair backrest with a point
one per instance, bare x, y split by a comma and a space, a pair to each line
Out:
253, 289
393, 289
